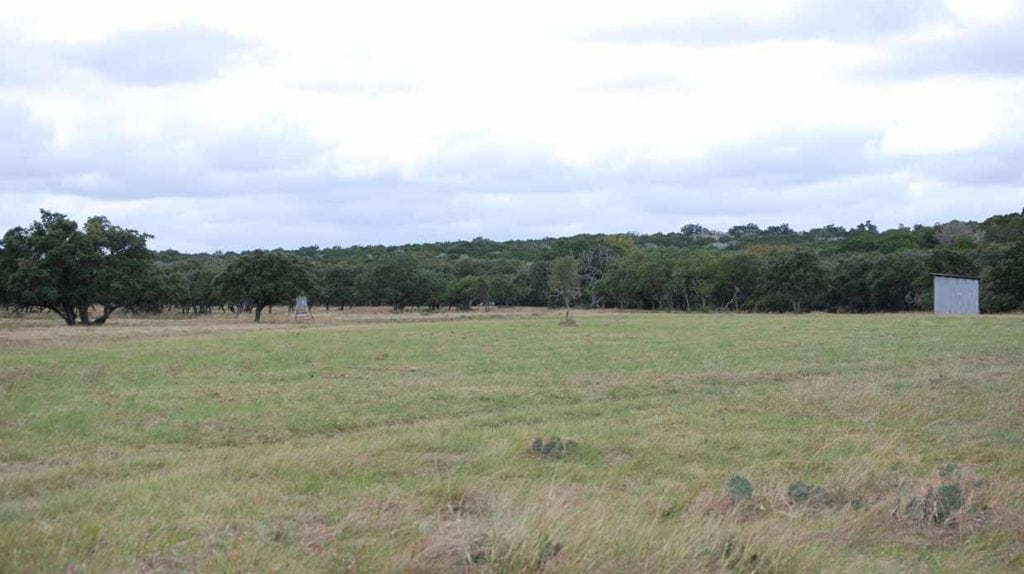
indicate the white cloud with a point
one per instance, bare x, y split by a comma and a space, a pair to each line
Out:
983, 11
956, 115
506, 121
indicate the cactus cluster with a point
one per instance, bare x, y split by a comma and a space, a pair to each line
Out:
553, 447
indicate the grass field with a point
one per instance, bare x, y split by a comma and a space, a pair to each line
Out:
379, 442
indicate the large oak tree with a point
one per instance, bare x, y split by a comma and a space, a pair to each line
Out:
262, 278
54, 264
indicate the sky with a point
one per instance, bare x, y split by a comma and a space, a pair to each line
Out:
241, 125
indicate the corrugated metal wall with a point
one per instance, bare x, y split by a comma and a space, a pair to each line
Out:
956, 295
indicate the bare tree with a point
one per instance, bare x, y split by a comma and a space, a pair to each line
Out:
950, 232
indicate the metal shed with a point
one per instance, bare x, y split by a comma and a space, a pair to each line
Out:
956, 294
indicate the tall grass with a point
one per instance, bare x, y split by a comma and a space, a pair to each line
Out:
402, 442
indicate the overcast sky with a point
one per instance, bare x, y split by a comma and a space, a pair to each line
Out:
219, 125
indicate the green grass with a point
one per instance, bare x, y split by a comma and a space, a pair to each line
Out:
373, 442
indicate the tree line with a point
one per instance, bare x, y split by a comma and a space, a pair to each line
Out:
85, 273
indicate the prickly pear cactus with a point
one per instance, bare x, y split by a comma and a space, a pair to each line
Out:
739, 489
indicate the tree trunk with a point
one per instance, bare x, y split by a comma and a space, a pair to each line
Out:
735, 301
67, 313
259, 311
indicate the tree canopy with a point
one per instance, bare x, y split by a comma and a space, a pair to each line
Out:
56, 264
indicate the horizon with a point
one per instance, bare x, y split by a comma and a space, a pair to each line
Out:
719, 232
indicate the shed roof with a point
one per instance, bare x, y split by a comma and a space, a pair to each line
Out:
955, 276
